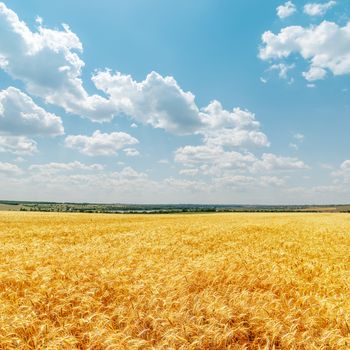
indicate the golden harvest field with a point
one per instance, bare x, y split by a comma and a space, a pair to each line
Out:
202, 281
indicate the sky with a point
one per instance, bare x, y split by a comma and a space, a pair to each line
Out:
163, 101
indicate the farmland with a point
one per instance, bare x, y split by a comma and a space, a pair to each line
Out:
164, 208
174, 281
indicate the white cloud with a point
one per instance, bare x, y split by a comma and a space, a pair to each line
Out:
100, 144
272, 162
189, 172
20, 118
49, 65
130, 173
236, 137
76, 182
327, 189
82, 182
315, 73
225, 131
19, 145
19, 115
54, 168
317, 9
343, 172
325, 47
235, 181
9, 169
47, 62
216, 161
157, 101
244, 181
231, 128
53, 72
215, 117
286, 10
186, 185
282, 69
131, 152
160, 102
345, 166
215, 157
272, 181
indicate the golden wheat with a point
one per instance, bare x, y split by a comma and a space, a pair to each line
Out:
211, 281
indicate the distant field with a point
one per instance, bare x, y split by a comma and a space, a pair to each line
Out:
200, 281
8, 207
163, 208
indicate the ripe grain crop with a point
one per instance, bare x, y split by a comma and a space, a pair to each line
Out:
203, 281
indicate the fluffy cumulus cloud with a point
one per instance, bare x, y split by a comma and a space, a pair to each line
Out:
21, 119
48, 63
342, 173
272, 162
217, 162
236, 137
244, 181
231, 128
54, 168
119, 186
19, 115
335, 190
190, 186
189, 172
226, 152
212, 158
100, 144
161, 103
131, 152
224, 157
318, 9
216, 117
19, 145
9, 169
158, 101
315, 73
76, 181
286, 10
326, 47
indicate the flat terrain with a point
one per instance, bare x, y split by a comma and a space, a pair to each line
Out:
6, 205
195, 281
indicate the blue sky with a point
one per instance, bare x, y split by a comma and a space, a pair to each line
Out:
175, 102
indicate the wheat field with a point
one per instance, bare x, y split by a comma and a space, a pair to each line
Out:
199, 281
